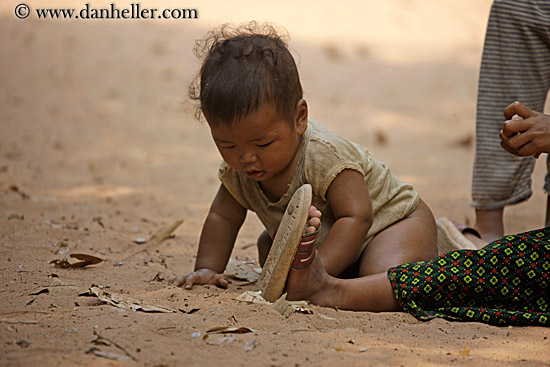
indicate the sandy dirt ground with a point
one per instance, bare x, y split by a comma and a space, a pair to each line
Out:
98, 147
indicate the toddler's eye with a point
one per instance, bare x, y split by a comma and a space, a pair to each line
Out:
264, 145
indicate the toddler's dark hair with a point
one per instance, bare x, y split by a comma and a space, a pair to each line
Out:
244, 67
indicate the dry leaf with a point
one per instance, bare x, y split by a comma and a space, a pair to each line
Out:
28, 322
252, 297
256, 297
86, 260
108, 355
301, 309
189, 310
228, 330
242, 270
466, 351
282, 306
127, 302
43, 290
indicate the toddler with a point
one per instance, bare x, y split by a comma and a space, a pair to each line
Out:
250, 94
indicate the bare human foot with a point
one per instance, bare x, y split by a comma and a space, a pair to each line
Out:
312, 283
313, 221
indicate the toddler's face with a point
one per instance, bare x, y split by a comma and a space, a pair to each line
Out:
263, 145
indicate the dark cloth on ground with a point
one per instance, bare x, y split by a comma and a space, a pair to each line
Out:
505, 283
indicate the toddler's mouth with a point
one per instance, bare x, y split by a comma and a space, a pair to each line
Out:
256, 175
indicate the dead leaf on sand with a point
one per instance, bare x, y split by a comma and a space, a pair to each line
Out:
128, 303
243, 270
102, 340
86, 260
282, 306
228, 330
108, 355
252, 297
189, 310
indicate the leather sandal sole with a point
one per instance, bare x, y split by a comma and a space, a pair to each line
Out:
277, 265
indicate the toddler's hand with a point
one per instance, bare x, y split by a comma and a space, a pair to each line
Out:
201, 276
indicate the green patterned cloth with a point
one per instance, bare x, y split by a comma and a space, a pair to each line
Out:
505, 283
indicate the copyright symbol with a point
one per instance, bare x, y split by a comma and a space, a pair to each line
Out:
22, 11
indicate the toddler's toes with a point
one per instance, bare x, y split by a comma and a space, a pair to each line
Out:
314, 220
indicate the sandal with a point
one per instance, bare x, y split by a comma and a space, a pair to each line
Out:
463, 229
450, 237
285, 244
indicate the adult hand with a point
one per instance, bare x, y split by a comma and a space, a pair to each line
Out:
200, 276
525, 132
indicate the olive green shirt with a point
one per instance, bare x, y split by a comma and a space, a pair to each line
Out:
323, 155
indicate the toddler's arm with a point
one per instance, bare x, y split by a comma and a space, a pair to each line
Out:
350, 202
218, 235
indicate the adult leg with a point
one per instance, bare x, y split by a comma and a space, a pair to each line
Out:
490, 223
500, 179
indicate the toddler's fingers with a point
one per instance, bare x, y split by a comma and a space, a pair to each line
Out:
191, 279
177, 280
223, 281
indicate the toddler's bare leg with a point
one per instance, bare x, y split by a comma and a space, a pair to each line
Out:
369, 293
411, 239
313, 283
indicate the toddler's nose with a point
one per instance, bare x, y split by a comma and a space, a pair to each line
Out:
248, 157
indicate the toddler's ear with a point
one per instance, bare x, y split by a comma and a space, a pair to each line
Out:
301, 116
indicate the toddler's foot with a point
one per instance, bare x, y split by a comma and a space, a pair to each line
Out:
313, 220
307, 279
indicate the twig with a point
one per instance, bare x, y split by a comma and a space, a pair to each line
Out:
156, 239
99, 336
12, 312
28, 322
